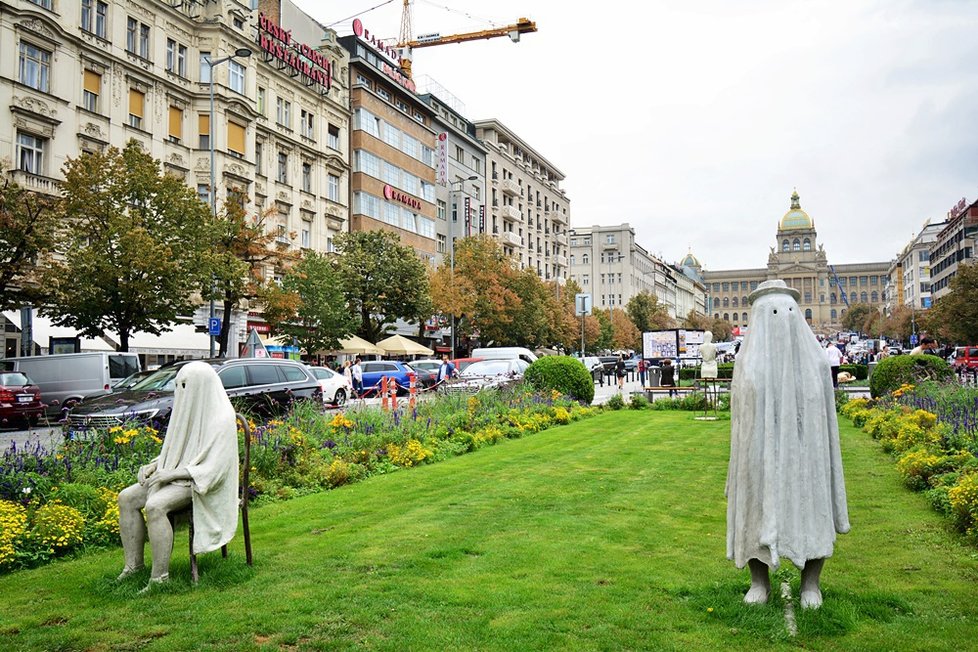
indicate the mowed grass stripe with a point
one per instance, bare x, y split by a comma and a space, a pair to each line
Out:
604, 534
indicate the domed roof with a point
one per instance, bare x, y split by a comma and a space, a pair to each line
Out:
690, 261
795, 218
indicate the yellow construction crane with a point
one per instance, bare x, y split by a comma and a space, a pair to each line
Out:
408, 43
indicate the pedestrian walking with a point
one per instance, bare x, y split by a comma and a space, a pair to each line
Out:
641, 370
356, 374
620, 372
834, 355
446, 370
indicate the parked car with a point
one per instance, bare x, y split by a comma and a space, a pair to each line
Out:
505, 353
263, 386
462, 363
20, 399
336, 387
966, 357
424, 377
374, 370
631, 363
69, 377
594, 367
431, 364
488, 373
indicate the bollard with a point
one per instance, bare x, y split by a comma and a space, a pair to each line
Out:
412, 390
392, 386
383, 393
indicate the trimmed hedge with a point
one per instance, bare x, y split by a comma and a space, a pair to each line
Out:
562, 373
859, 371
724, 370
897, 370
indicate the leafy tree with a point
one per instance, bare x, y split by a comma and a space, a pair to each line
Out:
721, 330
382, 281
564, 325
956, 313
310, 306
241, 255
28, 225
858, 316
133, 256
624, 335
647, 313
899, 325
534, 319
479, 291
697, 321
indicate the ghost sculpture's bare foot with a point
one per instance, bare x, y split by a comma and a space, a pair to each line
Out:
760, 583
811, 594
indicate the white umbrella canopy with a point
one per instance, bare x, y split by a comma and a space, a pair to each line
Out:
354, 344
398, 345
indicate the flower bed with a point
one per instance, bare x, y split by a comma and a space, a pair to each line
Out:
932, 432
53, 504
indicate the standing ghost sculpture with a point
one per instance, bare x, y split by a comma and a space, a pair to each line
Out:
786, 494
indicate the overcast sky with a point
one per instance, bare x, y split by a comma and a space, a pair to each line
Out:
693, 122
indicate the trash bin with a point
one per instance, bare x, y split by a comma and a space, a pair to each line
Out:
872, 366
653, 376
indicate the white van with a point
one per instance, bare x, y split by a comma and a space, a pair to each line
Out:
69, 377
505, 353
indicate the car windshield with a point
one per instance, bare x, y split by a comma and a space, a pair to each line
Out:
160, 380
321, 373
487, 368
14, 379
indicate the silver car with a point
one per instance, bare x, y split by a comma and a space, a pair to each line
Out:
488, 373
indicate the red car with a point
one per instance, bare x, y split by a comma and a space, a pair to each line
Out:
966, 357
20, 399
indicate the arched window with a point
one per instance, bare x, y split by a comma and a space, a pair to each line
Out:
745, 319
864, 297
876, 296
796, 245
573, 260
716, 316
785, 246
835, 315
808, 314
735, 302
807, 245
726, 303
584, 259
843, 313
726, 316
743, 301
832, 300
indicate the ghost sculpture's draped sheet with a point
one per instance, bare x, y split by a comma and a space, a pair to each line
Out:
202, 437
786, 495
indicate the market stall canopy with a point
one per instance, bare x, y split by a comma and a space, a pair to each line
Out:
399, 345
354, 344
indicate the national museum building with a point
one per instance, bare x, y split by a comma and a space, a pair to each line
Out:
796, 258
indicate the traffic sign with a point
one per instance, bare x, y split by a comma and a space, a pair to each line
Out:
913, 339
582, 304
214, 326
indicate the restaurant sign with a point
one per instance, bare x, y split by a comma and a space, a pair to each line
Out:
277, 42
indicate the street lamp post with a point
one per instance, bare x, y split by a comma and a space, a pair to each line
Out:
451, 240
244, 53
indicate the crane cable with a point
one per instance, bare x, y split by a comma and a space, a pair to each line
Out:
482, 20
360, 13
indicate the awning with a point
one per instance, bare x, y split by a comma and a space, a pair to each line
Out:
354, 344
400, 345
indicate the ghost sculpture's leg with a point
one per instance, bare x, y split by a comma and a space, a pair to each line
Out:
760, 583
132, 527
811, 594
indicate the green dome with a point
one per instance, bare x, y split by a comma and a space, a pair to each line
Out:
795, 218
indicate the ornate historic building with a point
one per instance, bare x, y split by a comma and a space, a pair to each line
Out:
82, 75
800, 261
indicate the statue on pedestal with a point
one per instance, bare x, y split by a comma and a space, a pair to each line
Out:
708, 351
786, 495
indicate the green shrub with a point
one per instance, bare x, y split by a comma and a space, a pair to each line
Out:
616, 402
895, 371
562, 373
724, 370
639, 402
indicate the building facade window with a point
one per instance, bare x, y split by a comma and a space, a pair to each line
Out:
35, 67
259, 158
283, 112
204, 130
175, 125
260, 104
47, 4
282, 175
205, 68
306, 124
91, 90
333, 187
137, 102
30, 153
137, 38
333, 139
176, 57
307, 176
94, 14
236, 76
236, 139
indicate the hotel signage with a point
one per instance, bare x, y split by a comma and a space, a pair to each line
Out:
958, 208
443, 159
386, 50
277, 42
392, 193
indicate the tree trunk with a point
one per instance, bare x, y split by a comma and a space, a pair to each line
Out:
225, 326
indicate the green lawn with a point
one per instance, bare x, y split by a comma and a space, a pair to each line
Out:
607, 534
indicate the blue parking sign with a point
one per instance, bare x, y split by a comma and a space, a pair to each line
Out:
214, 326
913, 339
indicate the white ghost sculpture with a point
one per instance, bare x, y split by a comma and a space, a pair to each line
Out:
708, 350
198, 464
786, 493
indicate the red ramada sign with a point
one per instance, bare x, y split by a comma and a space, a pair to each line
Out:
277, 41
394, 194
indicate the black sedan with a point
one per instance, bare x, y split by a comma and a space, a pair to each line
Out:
264, 387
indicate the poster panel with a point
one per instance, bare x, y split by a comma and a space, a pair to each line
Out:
660, 344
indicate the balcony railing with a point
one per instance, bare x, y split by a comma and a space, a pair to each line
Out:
509, 187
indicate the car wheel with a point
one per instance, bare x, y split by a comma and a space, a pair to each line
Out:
340, 398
